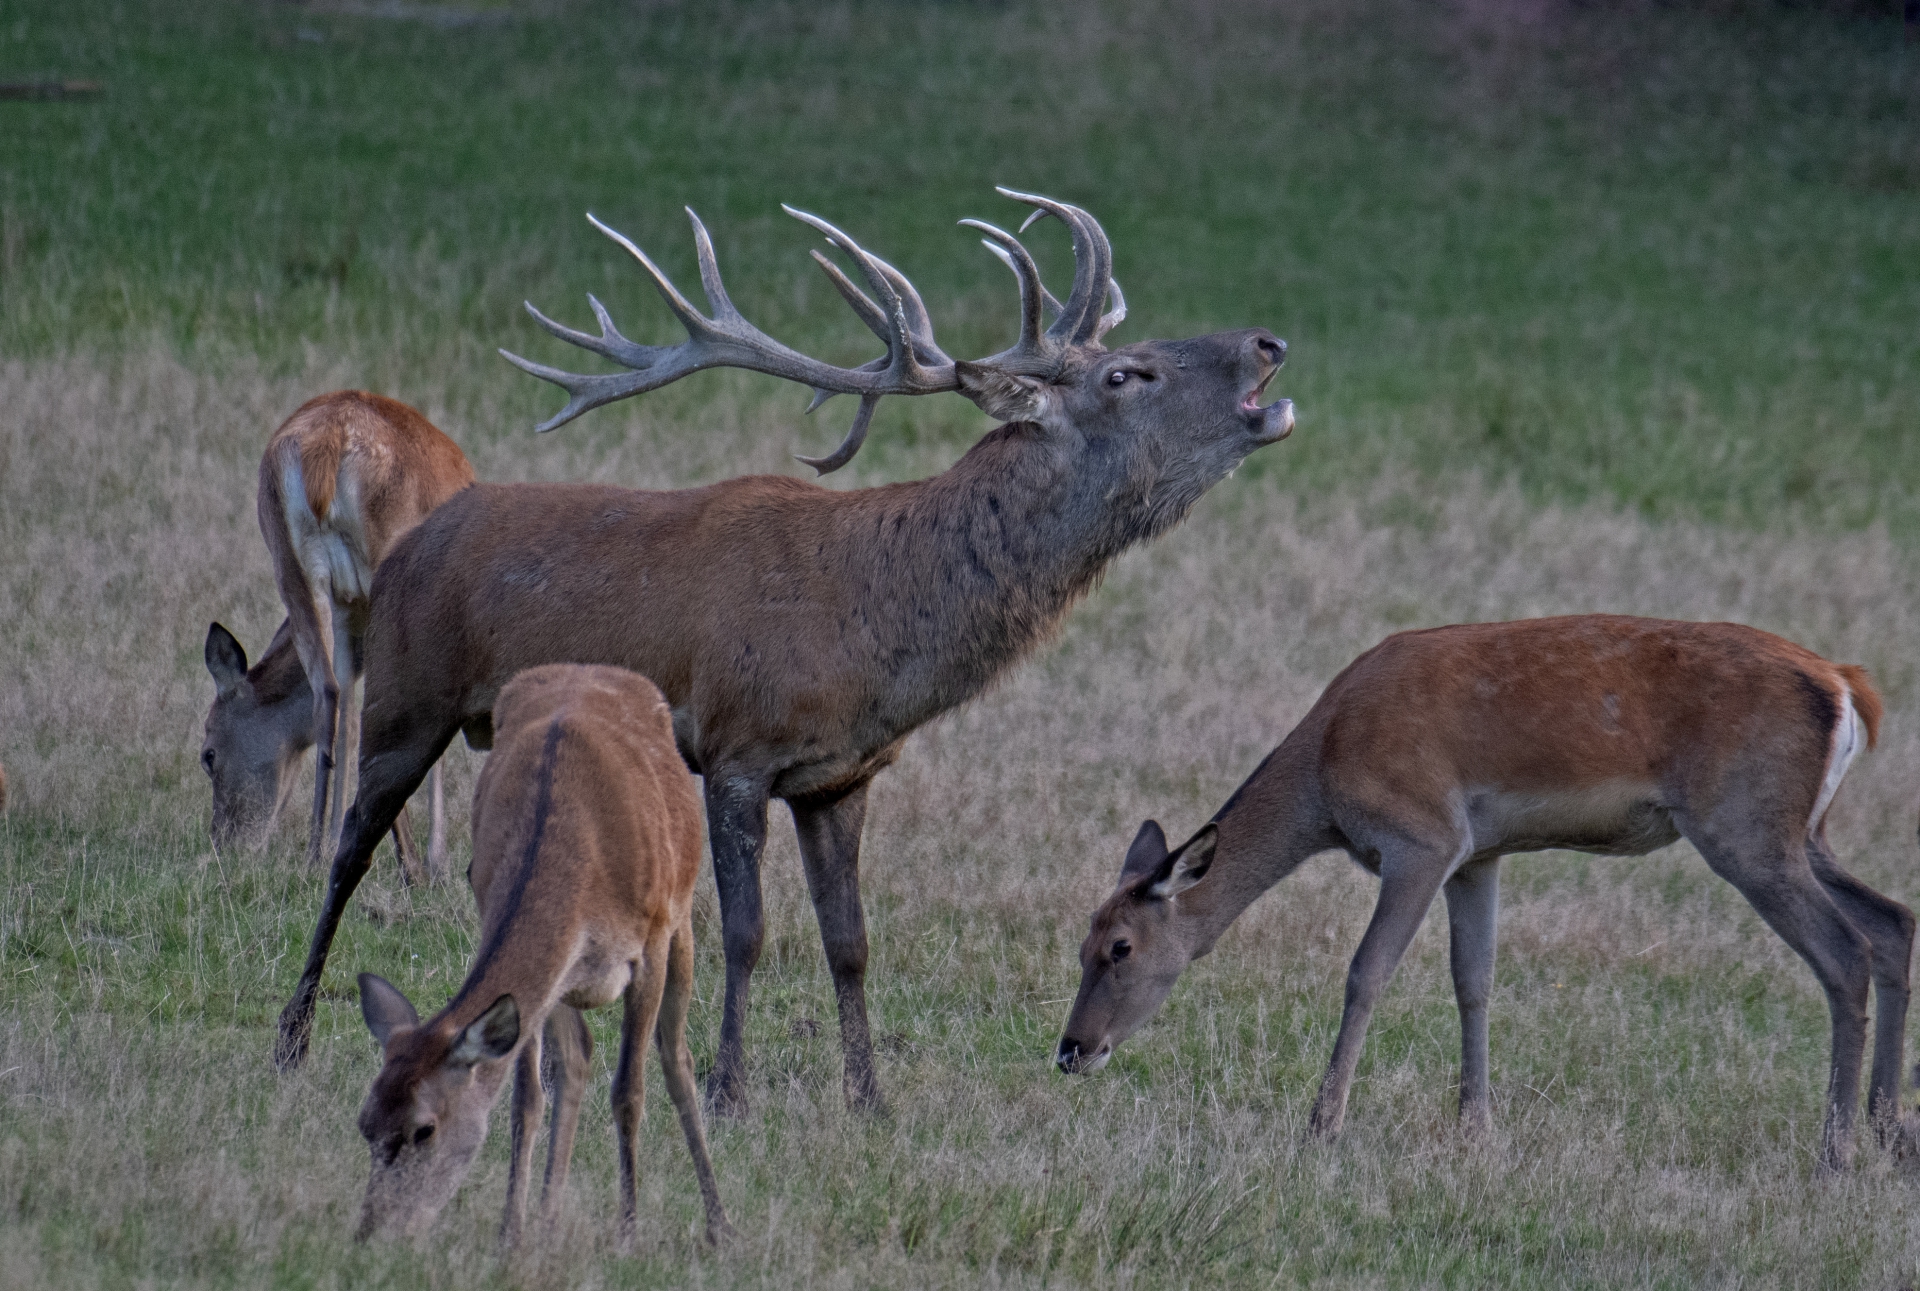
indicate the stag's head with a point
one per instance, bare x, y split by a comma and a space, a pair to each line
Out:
1173, 416
426, 1115
260, 725
1139, 944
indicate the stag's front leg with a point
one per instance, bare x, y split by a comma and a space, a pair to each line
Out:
1473, 906
1409, 878
737, 832
391, 768
830, 849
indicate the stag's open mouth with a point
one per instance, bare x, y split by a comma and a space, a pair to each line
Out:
1276, 419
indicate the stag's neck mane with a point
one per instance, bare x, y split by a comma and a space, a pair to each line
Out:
988, 556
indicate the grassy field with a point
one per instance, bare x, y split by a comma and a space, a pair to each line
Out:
1591, 309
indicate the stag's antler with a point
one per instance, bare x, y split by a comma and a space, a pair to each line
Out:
913, 363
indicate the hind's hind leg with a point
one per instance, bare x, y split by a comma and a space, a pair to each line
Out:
1769, 866
1889, 926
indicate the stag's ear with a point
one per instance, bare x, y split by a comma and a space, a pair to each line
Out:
384, 1007
1145, 856
1187, 866
226, 659
491, 1035
1004, 396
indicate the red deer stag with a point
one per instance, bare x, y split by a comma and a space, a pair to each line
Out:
802, 634
1438, 752
586, 844
341, 481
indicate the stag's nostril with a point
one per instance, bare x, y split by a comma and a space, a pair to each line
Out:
1274, 348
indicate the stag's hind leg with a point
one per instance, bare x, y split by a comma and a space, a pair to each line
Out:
1771, 870
830, 849
676, 1065
1890, 927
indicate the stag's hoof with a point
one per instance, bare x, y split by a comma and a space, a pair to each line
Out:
290, 1046
726, 1096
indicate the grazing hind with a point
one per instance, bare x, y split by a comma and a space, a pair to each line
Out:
586, 843
1436, 753
340, 483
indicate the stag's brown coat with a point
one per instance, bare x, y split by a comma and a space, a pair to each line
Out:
801, 634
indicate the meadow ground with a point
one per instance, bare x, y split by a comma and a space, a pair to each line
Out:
1590, 310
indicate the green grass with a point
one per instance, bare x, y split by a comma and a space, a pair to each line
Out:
1591, 308
1661, 257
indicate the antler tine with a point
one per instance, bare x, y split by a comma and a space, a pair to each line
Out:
856, 436
586, 391
871, 314
900, 337
913, 364
1033, 292
1049, 302
697, 324
919, 323
710, 270
1090, 328
1073, 326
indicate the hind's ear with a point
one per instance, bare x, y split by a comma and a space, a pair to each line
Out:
1145, 855
1187, 866
226, 660
490, 1036
385, 1008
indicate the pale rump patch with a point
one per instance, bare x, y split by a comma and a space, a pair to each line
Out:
1848, 737
332, 549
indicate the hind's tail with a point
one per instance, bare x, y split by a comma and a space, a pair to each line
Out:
1866, 700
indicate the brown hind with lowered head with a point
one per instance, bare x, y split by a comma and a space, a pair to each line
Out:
586, 844
1436, 753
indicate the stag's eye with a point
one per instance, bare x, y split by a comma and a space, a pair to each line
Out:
1117, 378
422, 1134
1121, 949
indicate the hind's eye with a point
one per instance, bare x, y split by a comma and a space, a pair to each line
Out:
1121, 949
422, 1134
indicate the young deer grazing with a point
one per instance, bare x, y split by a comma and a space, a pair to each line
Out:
802, 634
341, 481
1438, 752
586, 843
